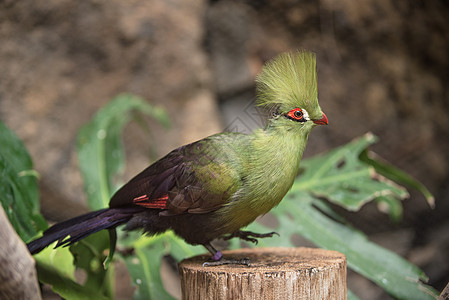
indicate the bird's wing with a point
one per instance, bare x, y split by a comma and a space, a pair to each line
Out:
196, 178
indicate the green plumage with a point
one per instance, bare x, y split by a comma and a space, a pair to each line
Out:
216, 186
290, 81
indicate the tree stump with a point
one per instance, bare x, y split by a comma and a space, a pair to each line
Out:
18, 279
275, 273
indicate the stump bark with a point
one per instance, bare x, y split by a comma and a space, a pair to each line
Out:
18, 279
275, 273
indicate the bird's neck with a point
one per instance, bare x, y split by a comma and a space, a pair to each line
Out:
270, 162
275, 157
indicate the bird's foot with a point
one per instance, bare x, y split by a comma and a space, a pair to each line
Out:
249, 236
218, 260
224, 261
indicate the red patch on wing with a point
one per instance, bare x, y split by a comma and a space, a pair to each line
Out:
145, 201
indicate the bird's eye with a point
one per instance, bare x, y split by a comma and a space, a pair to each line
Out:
296, 114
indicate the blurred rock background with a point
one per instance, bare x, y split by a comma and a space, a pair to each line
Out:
382, 67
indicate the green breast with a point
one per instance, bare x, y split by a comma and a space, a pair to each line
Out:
269, 171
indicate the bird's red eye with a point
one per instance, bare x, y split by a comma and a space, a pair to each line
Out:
296, 114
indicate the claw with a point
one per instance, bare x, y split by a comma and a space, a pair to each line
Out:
250, 236
217, 256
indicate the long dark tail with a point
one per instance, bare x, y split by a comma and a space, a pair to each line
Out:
82, 226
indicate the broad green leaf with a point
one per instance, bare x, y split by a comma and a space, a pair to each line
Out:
390, 271
55, 267
146, 276
144, 268
101, 156
64, 286
386, 169
89, 255
100, 149
343, 179
18, 186
60, 259
19, 197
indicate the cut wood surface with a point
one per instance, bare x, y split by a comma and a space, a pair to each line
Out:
274, 273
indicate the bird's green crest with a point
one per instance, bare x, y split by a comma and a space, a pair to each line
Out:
289, 81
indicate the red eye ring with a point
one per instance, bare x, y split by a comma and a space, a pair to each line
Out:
296, 114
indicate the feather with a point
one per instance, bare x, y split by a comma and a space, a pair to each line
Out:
82, 226
290, 81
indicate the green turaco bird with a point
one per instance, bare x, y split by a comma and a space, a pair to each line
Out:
215, 186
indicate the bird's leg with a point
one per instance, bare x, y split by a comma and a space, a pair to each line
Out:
216, 255
218, 260
249, 236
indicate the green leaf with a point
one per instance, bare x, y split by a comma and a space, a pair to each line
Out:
19, 197
65, 287
391, 206
100, 150
144, 268
55, 267
343, 179
390, 271
89, 255
146, 276
388, 170
101, 156
60, 260
112, 247
18, 186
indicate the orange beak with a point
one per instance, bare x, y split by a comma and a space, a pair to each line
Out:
322, 121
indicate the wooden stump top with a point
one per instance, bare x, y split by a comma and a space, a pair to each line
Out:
282, 273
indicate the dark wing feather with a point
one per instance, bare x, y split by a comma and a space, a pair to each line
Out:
151, 185
190, 179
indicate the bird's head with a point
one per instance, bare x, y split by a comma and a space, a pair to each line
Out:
288, 83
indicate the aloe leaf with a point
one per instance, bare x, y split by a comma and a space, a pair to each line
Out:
388, 170
55, 267
89, 255
342, 178
101, 156
144, 268
18, 186
100, 148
